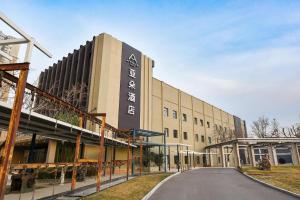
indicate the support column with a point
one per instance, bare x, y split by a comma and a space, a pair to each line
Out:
51, 151
274, 155
193, 159
237, 152
7, 153
222, 156
101, 151
295, 154
210, 158
76, 156
252, 157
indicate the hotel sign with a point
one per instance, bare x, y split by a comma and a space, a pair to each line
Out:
130, 88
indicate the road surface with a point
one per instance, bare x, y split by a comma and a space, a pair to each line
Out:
216, 184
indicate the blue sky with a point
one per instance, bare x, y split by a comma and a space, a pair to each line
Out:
242, 56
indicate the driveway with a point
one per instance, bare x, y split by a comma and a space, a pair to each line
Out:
215, 184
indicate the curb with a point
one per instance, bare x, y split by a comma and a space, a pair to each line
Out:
149, 194
271, 186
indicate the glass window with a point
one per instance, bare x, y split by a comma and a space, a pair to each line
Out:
208, 124
184, 117
174, 114
196, 137
284, 155
166, 112
201, 122
202, 138
176, 159
195, 121
166, 132
186, 159
185, 135
209, 140
175, 133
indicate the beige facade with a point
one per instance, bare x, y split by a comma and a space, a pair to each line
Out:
185, 119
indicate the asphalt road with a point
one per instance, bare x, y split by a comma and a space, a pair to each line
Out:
215, 184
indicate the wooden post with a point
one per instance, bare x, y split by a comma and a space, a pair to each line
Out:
141, 156
100, 156
128, 158
76, 156
5, 159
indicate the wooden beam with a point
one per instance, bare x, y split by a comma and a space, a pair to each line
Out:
14, 66
100, 156
76, 156
7, 153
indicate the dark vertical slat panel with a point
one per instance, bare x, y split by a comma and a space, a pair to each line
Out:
45, 80
39, 86
67, 74
61, 77
87, 57
56, 79
90, 71
80, 65
49, 78
73, 69
52, 85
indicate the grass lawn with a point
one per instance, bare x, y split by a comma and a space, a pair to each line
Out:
286, 177
134, 189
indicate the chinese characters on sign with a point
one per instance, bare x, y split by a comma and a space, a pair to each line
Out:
130, 88
133, 64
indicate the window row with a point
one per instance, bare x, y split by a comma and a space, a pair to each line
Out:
184, 117
185, 135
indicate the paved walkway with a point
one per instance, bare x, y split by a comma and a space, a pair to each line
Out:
216, 184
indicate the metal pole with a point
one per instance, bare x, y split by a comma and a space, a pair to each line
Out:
194, 159
141, 156
165, 153
76, 156
187, 154
132, 156
177, 158
110, 167
100, 156
6, 157
128, 158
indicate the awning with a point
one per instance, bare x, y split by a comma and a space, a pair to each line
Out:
52, 128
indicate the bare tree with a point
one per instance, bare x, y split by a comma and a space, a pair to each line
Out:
260, 127
275, 132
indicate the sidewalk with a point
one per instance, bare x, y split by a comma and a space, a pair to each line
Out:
50, 190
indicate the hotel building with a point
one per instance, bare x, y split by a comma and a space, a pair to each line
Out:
116, 79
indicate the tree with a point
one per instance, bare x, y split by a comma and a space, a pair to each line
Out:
275, 128
260, 127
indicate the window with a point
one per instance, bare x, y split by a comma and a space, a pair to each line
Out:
201, 122
198, 159
184, 118
202, 138
176, 160
185, 135
195, 121
196, 137
166, 132
209, 140
174, 114
186, 160
175, 133
166, 112
208, 124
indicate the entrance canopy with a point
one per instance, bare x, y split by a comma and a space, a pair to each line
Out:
144, 133
51, 128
